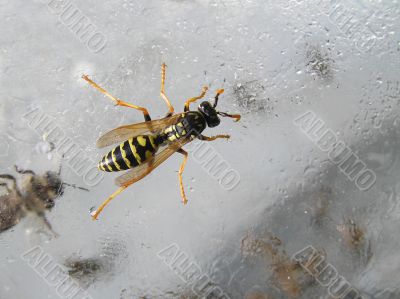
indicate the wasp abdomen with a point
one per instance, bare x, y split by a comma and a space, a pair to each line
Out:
130, 153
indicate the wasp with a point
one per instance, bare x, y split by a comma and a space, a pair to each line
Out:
37, 195
144, 146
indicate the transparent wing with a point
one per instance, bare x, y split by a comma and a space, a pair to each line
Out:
139, 172
123, 133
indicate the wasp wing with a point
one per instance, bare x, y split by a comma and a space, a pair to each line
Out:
139, 172
123, 133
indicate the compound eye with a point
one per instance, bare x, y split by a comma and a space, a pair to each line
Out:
205, 106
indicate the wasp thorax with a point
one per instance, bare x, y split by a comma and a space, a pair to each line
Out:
210, 114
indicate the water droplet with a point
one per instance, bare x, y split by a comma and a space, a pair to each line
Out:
44, 147
92, 211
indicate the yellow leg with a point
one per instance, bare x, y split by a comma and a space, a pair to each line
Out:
212, 138
117, 101
162, 93
191, 100
96, 214
181, 169
125, 184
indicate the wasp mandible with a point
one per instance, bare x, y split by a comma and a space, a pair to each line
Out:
148, 144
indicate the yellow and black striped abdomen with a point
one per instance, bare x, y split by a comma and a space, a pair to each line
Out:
129, 154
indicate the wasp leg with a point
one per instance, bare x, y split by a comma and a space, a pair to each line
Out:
212, 138
117, 101
96, 214
191, 100
23, 171
162, 93
46, 222
181, 169
60, 166
124, 184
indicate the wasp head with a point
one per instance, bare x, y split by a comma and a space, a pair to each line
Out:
210, 114
47, 188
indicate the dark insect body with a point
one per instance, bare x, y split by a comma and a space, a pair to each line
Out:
144, 146
139, 149
37, 195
